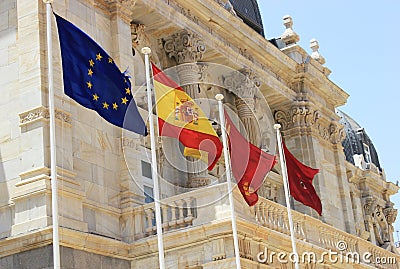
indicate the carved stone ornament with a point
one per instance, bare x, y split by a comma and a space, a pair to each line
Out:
289, 36
243, 84
42, 113
390, 214
303, 115
137, 33
184, 47
369, 205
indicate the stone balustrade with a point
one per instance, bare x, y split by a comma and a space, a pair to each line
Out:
176, 212
274, 216
189, 209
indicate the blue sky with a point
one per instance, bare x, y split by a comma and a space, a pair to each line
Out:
359, 40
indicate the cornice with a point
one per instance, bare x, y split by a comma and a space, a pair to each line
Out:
249, 48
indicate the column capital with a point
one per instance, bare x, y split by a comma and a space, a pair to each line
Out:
185, 47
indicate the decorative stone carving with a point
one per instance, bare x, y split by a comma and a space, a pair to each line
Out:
137, 33
42, 114
303, 115
381, 227
289, 36
63, 116
244, 84
390, 214
336, 133
369, 205
315, 53
184, 47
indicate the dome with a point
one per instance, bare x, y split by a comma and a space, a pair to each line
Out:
357, 146
249, 12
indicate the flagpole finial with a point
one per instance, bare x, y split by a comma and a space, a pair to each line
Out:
277, 126
219, 97
146, 50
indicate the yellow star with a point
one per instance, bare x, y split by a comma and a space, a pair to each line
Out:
128, 91
110, 60
115, 106
98, 57
89, 84
90, 72
105, 105
124, 100
91, 63
95, 97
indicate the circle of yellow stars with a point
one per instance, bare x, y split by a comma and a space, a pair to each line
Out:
114, 105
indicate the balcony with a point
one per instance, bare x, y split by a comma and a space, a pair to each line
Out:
259, 227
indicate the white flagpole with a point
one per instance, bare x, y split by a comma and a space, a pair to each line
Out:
286, 187
53, 163
219, 98
146, 51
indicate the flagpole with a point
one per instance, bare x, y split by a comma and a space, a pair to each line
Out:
286, 187
146, 51
219, 98
53, 163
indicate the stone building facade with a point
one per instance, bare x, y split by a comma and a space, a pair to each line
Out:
105, 187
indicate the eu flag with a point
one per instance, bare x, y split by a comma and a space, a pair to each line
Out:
93, 80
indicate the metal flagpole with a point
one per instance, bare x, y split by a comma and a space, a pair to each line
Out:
146, 51
286, 187
53, 163
219, 98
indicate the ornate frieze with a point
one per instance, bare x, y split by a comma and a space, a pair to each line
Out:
305, 116
185, 47
42, 114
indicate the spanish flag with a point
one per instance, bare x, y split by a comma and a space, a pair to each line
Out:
181, 118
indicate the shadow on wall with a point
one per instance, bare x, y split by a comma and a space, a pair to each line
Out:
5, 208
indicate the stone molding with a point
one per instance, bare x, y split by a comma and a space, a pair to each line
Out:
120, 8
304, 115
42, 114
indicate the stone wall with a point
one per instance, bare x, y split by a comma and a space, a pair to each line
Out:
10, 136
42, 258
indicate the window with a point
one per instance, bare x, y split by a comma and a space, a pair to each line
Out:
367, 153
148, 194
146, 169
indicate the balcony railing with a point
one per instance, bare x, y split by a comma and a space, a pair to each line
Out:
192, 209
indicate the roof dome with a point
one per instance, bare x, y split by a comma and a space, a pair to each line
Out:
249, 12
357, 146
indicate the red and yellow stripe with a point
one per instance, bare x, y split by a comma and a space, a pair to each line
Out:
181, 118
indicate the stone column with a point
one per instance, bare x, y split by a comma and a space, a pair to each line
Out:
244, 85
185, 48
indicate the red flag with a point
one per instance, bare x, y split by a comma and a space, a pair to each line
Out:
300, 179
250, 165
